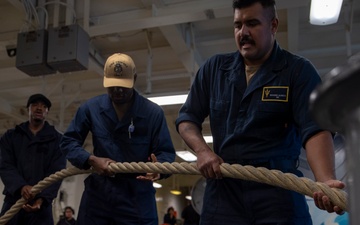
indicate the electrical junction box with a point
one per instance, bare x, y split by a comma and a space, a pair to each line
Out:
68, 48
31, 53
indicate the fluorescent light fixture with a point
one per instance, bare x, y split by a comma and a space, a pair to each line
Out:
169, 100
175, 192
208, 139
325, 12
186, 155
157, 185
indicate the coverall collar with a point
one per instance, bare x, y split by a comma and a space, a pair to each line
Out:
107, 108
266, 73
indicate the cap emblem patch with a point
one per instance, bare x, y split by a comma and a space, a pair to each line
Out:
118, 70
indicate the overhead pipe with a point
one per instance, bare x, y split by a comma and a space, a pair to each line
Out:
86, 22
69, 19
192, 49
149, 63
56, 13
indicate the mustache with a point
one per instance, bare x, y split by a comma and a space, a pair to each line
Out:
246, 39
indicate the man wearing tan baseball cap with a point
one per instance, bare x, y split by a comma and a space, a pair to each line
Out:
125, 127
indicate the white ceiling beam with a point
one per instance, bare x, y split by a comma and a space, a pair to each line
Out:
328, 51
10, 35
168, 15
32, 81
193, 7
74, 77
143, 19
123, 25
178, 44
17, 4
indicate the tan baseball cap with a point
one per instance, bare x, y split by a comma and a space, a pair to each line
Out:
119, 71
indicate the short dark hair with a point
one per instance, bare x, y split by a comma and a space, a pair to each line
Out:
238, 4
69, 207
170, 208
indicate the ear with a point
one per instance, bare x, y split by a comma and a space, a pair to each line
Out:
274, 25
135, 76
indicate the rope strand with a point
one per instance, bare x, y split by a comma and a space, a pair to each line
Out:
277, 178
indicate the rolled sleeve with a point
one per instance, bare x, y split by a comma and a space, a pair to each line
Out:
306, 82
196, 107
74, 137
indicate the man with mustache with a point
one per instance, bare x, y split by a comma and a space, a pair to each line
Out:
125, 127
29, 153
257, 102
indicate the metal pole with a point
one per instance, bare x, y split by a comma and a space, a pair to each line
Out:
335, 105
353, 163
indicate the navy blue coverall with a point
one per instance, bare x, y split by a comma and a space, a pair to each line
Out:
122, 199
26, 159
263, 124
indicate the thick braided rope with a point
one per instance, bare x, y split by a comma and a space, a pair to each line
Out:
39, 187
288, 181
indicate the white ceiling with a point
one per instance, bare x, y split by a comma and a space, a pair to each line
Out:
168, 40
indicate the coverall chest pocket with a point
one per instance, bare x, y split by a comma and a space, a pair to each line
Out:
272, 118
136, 143
273, 107
100, 134
219, 112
